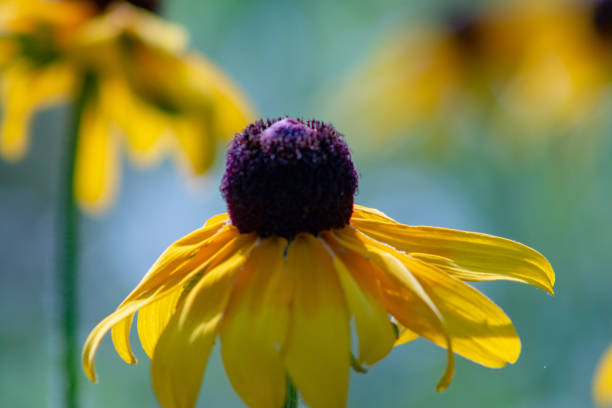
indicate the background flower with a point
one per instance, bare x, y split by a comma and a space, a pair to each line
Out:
522, 68
147, 91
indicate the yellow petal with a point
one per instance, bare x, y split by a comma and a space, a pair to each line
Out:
602, 383
183, 348
153, 319
405, 335
466, 255
374, 330
403, 295
231, 109
145, 128
120, 315
180, 263
171, 271
217, 218
195, 145
479, 329
317, 351
97, 161
148, 27
25, 89
25, 16
255, 325
120, 333
185, 255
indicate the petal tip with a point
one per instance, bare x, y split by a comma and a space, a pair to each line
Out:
90, 372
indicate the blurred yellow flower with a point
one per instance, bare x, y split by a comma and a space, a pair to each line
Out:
145, 90
527, 64
280, 279
548, 65
602, 383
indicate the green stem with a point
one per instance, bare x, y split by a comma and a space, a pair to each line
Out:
291, 400
67, 282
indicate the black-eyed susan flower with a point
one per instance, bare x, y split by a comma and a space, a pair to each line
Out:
145, 91
523, 64
281, 277
602, 383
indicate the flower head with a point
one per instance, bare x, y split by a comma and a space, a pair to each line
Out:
280, 282
534, 65
289, 176
147, 92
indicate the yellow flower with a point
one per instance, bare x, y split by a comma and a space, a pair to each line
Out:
524, 64
146, 91
546, 59
602, 383
280, 278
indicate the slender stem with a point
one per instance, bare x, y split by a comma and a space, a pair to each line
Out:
67, 277
291, 400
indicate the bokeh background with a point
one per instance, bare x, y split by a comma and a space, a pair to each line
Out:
546, 185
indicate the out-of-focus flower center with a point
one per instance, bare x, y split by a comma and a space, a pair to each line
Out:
287, 176
464, 27
151, 5
602, 18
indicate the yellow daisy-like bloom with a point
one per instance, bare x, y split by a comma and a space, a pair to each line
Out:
282, 276
545, 59
602, 383
145, 90
524, 64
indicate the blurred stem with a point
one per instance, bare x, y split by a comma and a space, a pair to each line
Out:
291, 400
67, 279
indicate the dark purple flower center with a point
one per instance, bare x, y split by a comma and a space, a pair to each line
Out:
287, 176
602, 18
464, 26
151, 5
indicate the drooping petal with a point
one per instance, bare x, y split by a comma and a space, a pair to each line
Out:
183, 255
602, 383
120, 333
479, 329
183, 348
403, 295
182, 265
145, 128
374, 330
25, 89
121, 316
196, 147
170, 273
231, 109
317, 351
153, 319
97, 160
255, 326
466, 255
